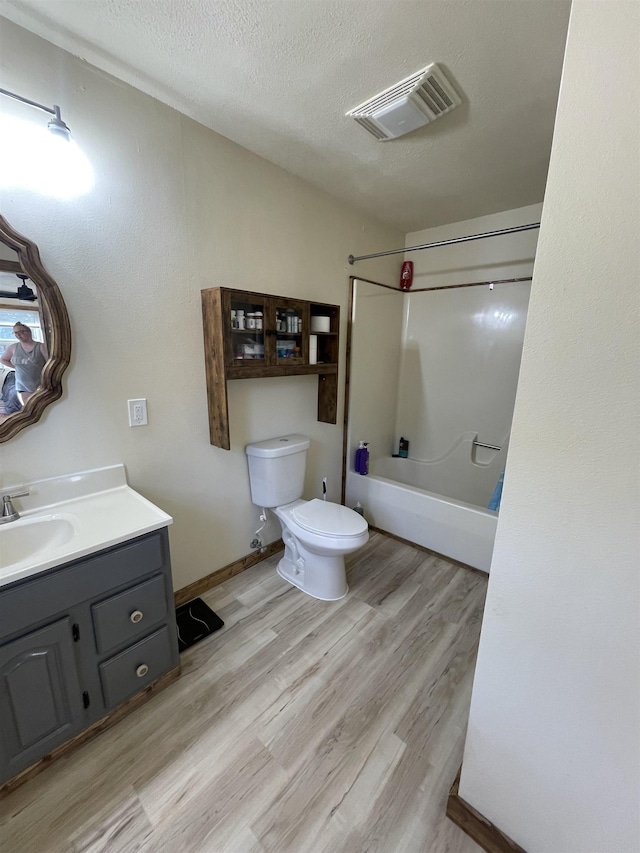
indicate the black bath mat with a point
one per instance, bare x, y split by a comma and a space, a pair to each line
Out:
195, 621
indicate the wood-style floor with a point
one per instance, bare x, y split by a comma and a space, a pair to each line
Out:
300, 726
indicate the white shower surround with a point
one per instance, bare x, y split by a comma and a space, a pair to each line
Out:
461, 347
458, 354
465, 473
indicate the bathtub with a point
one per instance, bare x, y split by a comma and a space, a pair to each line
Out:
435, 504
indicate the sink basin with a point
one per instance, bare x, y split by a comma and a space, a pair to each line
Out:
22, 539
70, 517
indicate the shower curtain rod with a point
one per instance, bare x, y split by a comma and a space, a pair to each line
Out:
514, 230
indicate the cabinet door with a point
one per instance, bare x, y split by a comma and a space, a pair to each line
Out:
291, 324
244, 325
40, 699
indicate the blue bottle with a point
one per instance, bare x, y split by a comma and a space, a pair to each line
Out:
362, 458
404, 448
364, 462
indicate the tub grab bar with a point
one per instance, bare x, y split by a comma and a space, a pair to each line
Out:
488, 446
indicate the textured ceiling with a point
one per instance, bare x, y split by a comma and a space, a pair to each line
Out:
277, 76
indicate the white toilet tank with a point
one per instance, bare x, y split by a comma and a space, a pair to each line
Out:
276, 469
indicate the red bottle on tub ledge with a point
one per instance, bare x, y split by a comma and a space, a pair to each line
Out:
362, 458
406, 275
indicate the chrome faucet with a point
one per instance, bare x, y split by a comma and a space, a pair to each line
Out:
9, 512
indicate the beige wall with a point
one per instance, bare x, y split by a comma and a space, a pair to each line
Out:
552, 749
175, 208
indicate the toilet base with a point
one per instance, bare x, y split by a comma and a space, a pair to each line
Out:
325, 579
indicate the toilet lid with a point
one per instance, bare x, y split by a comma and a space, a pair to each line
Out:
330, 519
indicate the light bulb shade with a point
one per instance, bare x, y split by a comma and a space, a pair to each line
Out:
48, 163
59, 128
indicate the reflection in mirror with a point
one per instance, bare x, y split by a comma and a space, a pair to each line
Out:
23, 351
35, 340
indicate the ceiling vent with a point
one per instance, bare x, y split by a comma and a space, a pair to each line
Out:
419, 99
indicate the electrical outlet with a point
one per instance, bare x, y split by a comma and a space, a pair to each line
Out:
137, 412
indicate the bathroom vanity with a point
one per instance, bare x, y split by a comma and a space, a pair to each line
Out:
87, 622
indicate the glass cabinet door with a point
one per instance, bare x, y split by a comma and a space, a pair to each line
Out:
291, 326
245, 319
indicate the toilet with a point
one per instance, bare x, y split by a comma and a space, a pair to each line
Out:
317, 534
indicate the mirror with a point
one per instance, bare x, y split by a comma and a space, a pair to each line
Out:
35, 336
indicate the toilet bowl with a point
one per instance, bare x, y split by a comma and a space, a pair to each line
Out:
317, 534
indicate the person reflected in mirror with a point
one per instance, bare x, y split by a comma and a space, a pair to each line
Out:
27, 357
9, 402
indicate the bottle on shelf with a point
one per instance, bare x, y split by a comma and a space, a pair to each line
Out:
291, 319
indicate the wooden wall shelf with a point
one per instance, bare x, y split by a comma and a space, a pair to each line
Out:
251, 335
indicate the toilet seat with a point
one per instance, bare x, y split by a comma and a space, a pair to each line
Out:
328, 519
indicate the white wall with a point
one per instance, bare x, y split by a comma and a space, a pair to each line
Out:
376, 337
552, 748
175, 208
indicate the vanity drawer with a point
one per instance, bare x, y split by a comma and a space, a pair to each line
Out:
136, 668
129, 614
56, 591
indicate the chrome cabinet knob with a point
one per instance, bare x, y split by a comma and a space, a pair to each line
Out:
136, 616
142, 670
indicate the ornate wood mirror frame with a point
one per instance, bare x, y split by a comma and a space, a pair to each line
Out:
55, 321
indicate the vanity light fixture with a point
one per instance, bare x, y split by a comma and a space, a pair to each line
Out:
48, 162
55, 125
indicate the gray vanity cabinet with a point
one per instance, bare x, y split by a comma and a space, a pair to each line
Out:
77, 641
40, 705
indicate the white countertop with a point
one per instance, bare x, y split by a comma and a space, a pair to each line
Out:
89, 511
